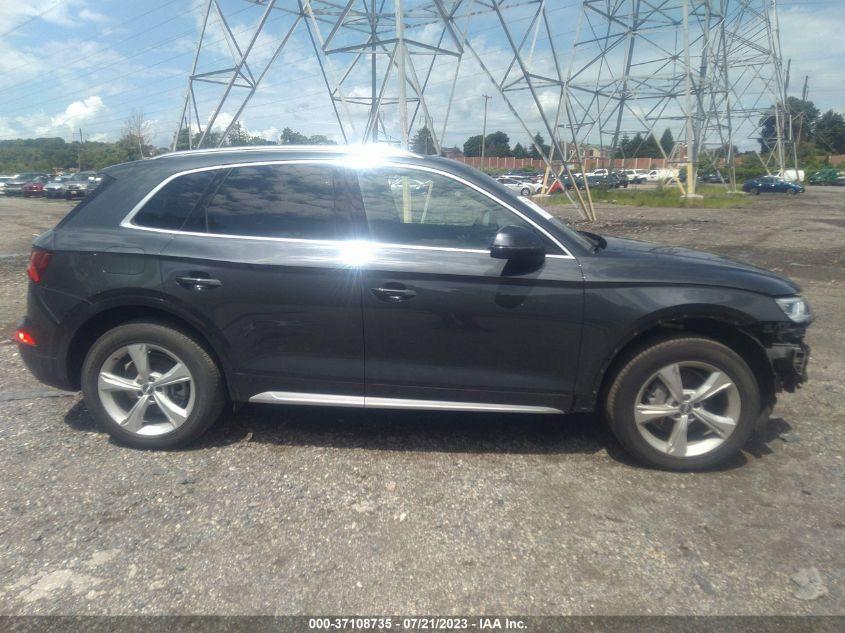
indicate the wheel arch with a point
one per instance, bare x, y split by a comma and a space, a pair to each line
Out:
725, 329
110, 315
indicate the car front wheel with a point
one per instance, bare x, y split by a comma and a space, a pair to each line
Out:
683, 404
150, 385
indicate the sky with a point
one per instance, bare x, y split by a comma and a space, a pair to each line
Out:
67, 65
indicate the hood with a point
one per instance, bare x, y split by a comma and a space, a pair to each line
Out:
634, 261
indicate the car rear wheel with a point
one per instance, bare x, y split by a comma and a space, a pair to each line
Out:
683, 404
150, 385
525, 192
755, 191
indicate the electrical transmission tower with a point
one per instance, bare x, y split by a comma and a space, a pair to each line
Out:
379, 61
710, 69
368, 54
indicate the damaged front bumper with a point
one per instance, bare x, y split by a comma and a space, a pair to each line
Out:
789, 362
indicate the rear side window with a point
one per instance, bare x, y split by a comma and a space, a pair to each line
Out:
171, 206
282, 201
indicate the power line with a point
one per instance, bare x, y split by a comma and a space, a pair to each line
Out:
88, 56
31, 19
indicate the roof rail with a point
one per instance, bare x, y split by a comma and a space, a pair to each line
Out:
380, 148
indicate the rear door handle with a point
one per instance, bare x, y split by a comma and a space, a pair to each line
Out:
393, 294
198, 283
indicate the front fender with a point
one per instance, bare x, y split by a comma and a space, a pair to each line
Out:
616, 316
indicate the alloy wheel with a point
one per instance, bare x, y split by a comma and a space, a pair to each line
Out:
146, 389
687, 409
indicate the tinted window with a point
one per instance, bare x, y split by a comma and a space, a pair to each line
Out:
292, 201
431, 210
173, 203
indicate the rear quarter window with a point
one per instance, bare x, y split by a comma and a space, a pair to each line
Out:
104, 184
171, 205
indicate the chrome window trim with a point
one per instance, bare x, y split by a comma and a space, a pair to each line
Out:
380, 149
342, 162
370, 402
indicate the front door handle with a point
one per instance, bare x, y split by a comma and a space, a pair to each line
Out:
198, 283
393, 294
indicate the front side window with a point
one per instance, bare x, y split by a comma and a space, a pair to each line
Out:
170, 207
419, 208
279, 201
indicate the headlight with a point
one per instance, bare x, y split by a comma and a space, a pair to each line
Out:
796, 308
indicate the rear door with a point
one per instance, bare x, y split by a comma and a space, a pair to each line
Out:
261, 259
446, 323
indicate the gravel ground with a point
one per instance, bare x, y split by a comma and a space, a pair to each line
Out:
328, 511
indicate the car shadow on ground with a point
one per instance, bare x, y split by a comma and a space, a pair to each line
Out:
427, 431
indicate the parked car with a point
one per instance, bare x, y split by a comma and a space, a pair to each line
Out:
522, 187
771, 184
35, 187
299, 276
713, 177
56, 187
621, 178
662, 175
14, 187
4, 180
827, 177
78, 185
635, 176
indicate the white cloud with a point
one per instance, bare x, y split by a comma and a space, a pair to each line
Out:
79, 112
93, 16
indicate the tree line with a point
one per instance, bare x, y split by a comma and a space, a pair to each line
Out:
56, 154
497, 144
815, 133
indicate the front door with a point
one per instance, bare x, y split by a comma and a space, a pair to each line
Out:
262, 259
443, 320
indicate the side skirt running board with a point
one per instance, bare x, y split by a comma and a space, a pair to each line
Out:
366, 402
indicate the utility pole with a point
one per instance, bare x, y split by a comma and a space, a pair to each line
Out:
484, 129
79, 154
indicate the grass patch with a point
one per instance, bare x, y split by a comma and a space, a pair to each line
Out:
715, 197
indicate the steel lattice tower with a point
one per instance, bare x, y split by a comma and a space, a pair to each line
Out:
711, 68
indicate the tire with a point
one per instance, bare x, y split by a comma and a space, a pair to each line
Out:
755, 191
697, 358
791, 192
525, 192
188, 406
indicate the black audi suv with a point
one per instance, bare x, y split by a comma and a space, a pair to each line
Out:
375, 278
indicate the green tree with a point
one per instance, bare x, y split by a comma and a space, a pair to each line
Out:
803, 115
472, 146
497, 144
829, 133
519, 151
292, 137
423, 142
538, 145
320, 139
667, 141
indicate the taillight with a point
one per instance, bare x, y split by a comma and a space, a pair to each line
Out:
25, 338
39, 259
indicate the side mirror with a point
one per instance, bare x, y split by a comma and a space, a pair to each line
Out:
517, 243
